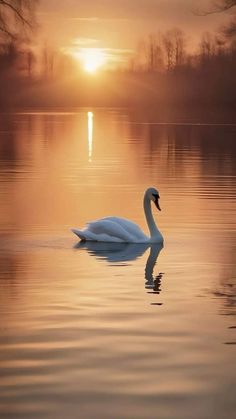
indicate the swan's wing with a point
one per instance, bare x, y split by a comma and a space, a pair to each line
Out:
112, 229
107, 228
129, 226
82, 234
87, 235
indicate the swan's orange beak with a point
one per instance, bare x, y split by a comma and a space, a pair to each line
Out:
157, 203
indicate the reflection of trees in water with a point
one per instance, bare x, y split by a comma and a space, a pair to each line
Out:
16, 155
10, 263
217, 149
16, 141
26, 139
8, 142
181, 150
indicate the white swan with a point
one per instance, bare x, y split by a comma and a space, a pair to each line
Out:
115, 229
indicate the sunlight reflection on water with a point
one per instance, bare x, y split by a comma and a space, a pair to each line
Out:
116, 331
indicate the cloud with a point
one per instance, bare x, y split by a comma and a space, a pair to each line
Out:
117, 55
97, 19
82, 42
122, 23
85, 19
114, 56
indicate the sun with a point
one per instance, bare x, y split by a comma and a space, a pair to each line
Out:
92, 59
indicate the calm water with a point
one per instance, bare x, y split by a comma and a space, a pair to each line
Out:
98, 331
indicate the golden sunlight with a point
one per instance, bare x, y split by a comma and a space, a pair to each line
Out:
92, 59
90, 135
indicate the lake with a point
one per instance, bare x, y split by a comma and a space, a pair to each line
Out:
117, 331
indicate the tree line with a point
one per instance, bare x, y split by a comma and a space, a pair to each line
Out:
162, 69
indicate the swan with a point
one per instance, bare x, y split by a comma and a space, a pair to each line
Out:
115, 229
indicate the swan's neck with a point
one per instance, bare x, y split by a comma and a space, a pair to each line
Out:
149, 217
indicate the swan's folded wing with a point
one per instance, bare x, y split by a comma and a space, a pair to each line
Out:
87, 235
130, 227
109, 228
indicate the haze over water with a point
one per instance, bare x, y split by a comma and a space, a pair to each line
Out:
98, 331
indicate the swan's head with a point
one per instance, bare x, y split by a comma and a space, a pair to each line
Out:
154, 196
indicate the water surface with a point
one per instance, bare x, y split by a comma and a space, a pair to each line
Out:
98, 331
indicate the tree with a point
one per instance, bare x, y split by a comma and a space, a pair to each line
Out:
223, 5
229, 30
207, 46
174, 48
179, 46
16, 16
168, 49
48, 61
149, 55
153, 53
30, 60
217, 6
8, 56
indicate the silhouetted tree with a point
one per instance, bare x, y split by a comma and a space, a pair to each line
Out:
16, 16
216, 6
223, 5
8, 55
179, 46
207, 47
174, 48
149, 55
30, 60
168, 50
153, 53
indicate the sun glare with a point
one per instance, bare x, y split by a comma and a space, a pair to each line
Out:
90, 135
92, 59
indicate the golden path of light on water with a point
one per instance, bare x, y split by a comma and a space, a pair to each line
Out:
90, 135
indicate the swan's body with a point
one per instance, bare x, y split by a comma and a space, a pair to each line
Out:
115, 229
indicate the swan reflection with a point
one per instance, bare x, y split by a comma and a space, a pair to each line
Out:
151, 282
124, 252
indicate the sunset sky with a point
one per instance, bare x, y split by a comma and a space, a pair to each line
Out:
117, 27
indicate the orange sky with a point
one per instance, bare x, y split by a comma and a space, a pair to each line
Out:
118, 26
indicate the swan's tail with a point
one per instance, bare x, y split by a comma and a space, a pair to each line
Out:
86, 235
79, 233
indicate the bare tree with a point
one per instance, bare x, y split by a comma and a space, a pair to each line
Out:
151, 47
179, 46
30, 61
169, 50
229, 30
16, 16
174, 48
153, 53
150, 54
48, 61
207, 46
8, 55
222, 5
216, 6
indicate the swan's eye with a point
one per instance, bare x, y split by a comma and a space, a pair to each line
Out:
155, 195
